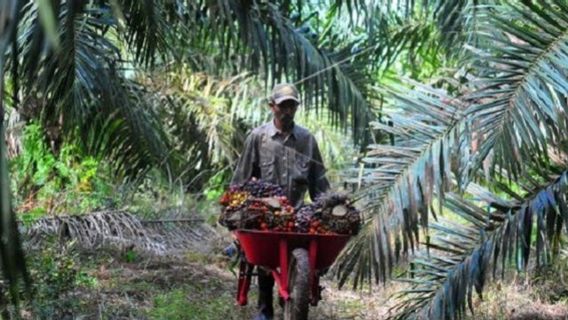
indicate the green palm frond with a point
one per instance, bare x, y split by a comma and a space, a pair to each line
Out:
219, 110
147, 29
521, 104
398, 182
445, 281
393, 39
455, 19
83, 92
270, 43
136, 139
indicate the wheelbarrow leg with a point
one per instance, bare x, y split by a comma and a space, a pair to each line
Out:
245, 275
315, 294
281, 278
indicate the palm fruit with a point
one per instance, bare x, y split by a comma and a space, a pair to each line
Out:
338, 215
281, 216
253, 205
330, 213
234, 201
303, 218
256, 204
261, 189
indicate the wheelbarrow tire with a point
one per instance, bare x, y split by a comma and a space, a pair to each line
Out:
299, 286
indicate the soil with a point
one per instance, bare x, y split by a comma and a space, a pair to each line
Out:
128, 290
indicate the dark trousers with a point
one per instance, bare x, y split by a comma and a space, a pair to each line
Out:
265, 285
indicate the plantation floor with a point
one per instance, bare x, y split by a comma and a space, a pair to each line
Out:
189, 287
198, 284
201, 287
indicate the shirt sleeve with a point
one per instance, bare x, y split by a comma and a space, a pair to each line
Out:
318, 182
247, 166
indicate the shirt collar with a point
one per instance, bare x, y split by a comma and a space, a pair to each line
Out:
272, 130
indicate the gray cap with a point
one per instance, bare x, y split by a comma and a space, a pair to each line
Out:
284, 91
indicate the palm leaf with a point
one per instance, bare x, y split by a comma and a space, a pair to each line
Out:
199, 105
456, 20
399, 181
270, 43
496, 239
520, 107
83, 93
147, 27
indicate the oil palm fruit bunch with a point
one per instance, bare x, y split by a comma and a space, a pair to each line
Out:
261, 189
330, 213
281, 220
256, 204
281, 216
338, 214
234, 202
304, 217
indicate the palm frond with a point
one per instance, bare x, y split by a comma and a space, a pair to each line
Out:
271, 44
136, 138
220, 110
521, 101
147, 29
84, 93
399, 182
455, 19
445, 281
122, 229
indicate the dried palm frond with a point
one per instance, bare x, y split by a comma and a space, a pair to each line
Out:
122, 229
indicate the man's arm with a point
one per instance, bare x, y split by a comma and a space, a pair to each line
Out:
247, 166
318, 182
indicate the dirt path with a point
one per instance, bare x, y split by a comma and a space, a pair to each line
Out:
143, 290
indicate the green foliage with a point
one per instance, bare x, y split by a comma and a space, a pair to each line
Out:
55, 273
46, 183
217, 185
130, 256
503, 111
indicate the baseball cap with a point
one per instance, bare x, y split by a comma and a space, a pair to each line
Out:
284, 91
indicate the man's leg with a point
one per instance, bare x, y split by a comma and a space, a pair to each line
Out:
265, 286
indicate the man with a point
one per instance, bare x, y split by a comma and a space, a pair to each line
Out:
283, 153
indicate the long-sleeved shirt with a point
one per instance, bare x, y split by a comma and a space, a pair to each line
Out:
294, 162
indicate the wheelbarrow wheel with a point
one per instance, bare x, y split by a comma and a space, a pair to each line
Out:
297, 307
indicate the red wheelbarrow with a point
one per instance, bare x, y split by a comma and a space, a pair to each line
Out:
295, 260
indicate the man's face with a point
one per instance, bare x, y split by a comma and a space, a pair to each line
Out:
285, 112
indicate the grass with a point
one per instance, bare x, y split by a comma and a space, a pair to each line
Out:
182, 304
177, 305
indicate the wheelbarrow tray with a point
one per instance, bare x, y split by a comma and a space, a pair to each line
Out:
263, 247
272, 249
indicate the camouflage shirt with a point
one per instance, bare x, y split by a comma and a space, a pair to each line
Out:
294, 162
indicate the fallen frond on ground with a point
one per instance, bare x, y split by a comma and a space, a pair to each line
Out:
122, 229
